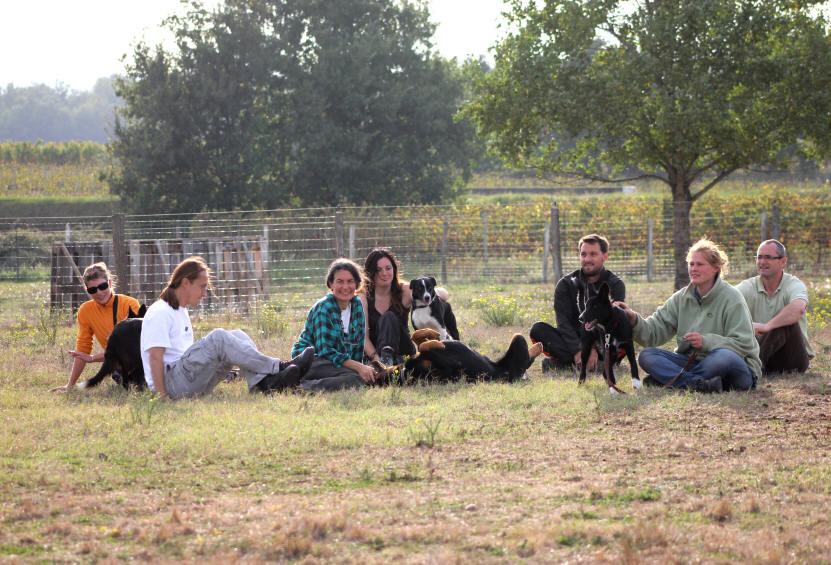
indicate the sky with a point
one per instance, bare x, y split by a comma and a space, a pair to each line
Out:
76, 42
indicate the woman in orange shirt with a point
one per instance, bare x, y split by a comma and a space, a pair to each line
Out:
95, 318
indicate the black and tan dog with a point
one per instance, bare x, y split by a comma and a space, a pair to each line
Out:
122, 357
608, 325
450, 361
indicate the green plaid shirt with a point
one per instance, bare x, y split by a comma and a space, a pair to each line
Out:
324, 331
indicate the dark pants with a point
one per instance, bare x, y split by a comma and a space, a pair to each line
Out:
391, 334
783, 350
324, 376
553, 343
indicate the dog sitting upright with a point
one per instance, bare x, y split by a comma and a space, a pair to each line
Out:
122, 357
430, 311
601, 322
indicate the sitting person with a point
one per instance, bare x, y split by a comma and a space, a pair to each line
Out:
386, 300
176, 367
96, 318
562, 344
777, 303
335, 327
709, 318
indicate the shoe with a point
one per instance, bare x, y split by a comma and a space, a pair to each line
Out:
649, 380
276, 382
302, 361
547, 365
387, 356
708, 386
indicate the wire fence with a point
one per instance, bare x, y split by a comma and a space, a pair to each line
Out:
457, 244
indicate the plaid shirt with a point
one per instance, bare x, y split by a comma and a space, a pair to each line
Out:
324, 331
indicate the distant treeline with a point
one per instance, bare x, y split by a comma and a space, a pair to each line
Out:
65, 153
57, 114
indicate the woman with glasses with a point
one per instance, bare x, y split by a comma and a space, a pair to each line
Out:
96, 318
335, 328
715, 346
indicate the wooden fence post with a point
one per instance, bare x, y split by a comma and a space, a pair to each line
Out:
774, 220
545, 250
122, 267
444, 253
339, 233
649, 250
555, 242
485, 238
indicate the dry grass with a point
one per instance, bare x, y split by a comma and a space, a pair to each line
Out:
539, 472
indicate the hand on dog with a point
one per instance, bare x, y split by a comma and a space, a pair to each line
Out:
631, 314
367, 373
85, 357
591, 362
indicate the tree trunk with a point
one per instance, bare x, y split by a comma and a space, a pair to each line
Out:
681, 206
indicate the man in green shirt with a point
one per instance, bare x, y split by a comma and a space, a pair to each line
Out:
777, 303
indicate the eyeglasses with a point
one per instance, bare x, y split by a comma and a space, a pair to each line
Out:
768, 257
103, 286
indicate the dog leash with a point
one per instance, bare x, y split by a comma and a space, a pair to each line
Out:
684, 368
607, 364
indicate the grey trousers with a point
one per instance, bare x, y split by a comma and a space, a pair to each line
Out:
324, 376
207, 362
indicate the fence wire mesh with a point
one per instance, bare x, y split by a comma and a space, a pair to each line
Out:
287, 251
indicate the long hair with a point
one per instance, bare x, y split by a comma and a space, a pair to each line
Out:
189, 269
371, 269
712, 253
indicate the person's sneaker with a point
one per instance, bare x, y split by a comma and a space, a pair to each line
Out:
304, 360
387, 356
547, 365
275, 382
708, 386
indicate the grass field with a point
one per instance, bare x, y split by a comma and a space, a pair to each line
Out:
537, 472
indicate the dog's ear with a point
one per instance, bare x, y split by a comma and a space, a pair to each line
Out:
432, 280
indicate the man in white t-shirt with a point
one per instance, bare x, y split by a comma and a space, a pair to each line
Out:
176, 367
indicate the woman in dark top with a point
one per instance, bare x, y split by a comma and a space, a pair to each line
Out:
386, 300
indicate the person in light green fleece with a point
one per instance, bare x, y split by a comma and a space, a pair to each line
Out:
708, 317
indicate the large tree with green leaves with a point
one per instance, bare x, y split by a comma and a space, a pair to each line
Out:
269, 103
684, 91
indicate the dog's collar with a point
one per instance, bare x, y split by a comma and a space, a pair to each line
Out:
418, 307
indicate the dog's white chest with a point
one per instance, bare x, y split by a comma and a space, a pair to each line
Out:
423, 319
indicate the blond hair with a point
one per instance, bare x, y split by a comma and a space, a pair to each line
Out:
98, 271
712, 253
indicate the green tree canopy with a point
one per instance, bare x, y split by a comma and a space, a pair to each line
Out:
687, 91
269, 103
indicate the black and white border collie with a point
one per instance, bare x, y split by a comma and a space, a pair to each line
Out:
430, 311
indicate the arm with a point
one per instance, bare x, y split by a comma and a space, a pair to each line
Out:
157, 369
367, 373
658, 328
406, 295
787, 316
81, 353
565, 310
369, 348
442, 293
77, 368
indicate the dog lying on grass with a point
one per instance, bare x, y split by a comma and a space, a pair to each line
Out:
122, 357
609, 325
450, 361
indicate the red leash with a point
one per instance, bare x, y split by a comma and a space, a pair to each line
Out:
684, 368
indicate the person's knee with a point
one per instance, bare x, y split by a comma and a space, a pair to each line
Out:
539, 330
647, 356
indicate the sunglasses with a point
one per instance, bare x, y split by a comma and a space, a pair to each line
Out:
103, 286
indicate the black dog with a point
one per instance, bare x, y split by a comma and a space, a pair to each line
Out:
430, 311
122, 357
609, 325
449, 361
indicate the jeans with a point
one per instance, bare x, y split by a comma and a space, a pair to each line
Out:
663, 365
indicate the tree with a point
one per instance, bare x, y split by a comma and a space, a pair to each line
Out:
270, 103
686, 92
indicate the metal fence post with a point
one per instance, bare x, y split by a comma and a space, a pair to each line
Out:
339, 233
649, 250
555, 242
764, 226
122, 266
444, 253
67, 234
351, 242
546, 238
774, 220
485, 237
